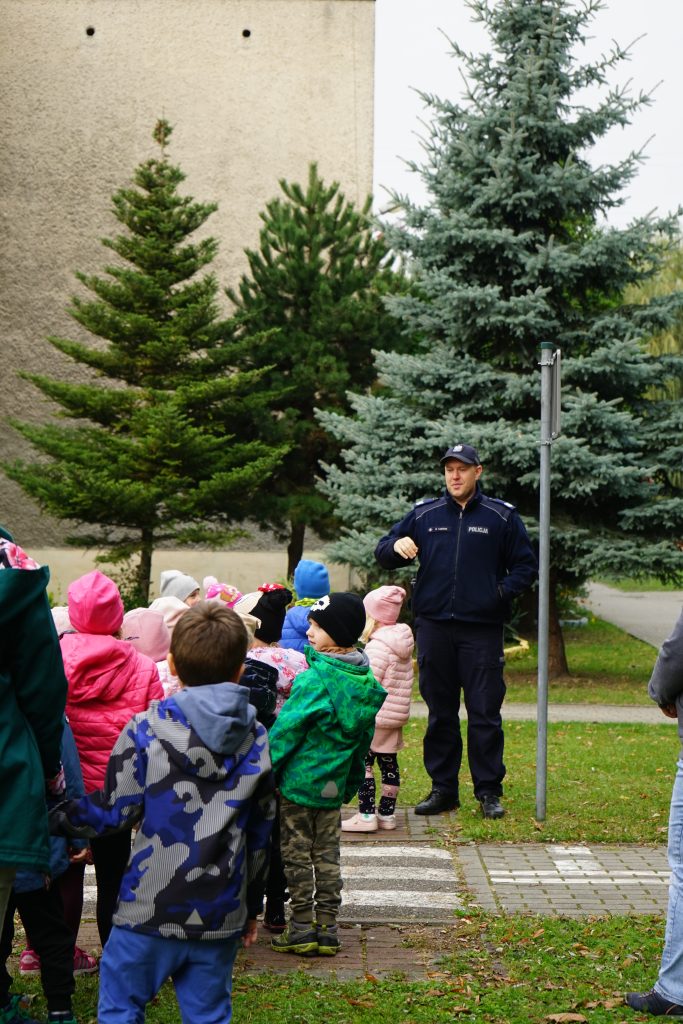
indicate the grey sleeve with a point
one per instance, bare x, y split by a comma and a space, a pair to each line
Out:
666, 681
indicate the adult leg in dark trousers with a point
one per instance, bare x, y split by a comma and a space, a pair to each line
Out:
455, 656
42, 915
110, 855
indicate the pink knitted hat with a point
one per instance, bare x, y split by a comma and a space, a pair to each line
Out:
215, 591
95, 604
147, 632
384, 604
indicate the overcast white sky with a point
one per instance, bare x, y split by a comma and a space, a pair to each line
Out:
412, 52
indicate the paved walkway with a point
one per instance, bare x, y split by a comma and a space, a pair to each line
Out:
407, 926
647, 615
647, 714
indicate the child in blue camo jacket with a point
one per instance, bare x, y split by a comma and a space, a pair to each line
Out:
194, 772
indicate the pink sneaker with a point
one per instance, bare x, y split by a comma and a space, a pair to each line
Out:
84, 963
29, 962
387, 821
360, 823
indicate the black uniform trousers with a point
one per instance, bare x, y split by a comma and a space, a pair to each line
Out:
468, 657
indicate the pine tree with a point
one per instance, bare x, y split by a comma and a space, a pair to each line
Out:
154, 448
314, 294
510, 251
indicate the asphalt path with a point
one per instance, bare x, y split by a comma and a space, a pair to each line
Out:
647, 615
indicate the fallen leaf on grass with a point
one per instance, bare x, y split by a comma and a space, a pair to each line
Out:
371, 978
367, 1004
566, 1018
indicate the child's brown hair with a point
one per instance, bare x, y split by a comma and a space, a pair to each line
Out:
208, 645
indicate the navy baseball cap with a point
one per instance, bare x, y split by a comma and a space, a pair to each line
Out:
464, 453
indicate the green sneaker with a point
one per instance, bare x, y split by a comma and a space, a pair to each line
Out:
328, 940
15, 1012
296, 938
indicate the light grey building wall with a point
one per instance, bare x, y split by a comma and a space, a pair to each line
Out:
255, 90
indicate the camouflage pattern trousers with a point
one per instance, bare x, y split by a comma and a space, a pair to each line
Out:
309, 840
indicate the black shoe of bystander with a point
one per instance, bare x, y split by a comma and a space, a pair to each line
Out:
437, 802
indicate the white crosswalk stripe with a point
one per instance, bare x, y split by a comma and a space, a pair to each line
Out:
381, 882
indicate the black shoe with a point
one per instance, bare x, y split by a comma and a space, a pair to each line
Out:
652, 1002
274, 919
437, 802
491, 807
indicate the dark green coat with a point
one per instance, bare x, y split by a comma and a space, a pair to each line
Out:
323, 732
32, 698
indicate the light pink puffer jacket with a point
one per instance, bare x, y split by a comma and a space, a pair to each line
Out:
109, 681
390, 651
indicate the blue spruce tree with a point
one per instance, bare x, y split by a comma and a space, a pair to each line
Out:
512, 249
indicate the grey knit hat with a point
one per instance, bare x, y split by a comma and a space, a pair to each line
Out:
177, 584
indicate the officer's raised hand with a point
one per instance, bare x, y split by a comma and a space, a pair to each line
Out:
406, 548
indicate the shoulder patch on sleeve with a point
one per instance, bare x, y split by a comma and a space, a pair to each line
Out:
425, 501
501, 508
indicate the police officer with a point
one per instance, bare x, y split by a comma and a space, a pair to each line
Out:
475, 556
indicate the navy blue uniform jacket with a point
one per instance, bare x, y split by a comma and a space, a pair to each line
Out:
472, 560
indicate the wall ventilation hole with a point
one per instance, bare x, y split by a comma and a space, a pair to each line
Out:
90, 31
246, 32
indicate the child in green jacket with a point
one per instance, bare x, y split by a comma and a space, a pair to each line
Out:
317, 747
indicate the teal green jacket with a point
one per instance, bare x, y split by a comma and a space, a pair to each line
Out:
32, 697
323, 732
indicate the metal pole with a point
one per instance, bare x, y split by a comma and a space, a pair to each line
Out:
546, 363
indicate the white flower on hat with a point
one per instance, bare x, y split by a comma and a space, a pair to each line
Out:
457, 447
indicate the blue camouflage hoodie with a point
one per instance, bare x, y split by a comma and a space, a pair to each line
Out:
194, 771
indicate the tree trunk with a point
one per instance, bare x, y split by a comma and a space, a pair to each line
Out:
295, 548
557, 655
145, 564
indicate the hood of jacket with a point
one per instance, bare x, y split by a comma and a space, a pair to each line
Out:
354, 692
19, 589
95, 604
399, 639
219, 713
98, 667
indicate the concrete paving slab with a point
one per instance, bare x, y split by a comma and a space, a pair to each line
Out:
582, 880
571, 881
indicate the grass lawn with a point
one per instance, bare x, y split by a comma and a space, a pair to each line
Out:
606, 784
644, 584
496, 970
607, 666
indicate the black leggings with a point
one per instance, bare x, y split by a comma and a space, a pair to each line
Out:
110, 855
391, 780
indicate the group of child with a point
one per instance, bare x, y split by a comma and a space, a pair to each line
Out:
226, 733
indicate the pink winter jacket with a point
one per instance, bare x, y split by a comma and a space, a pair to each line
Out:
109, 682
390, 650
